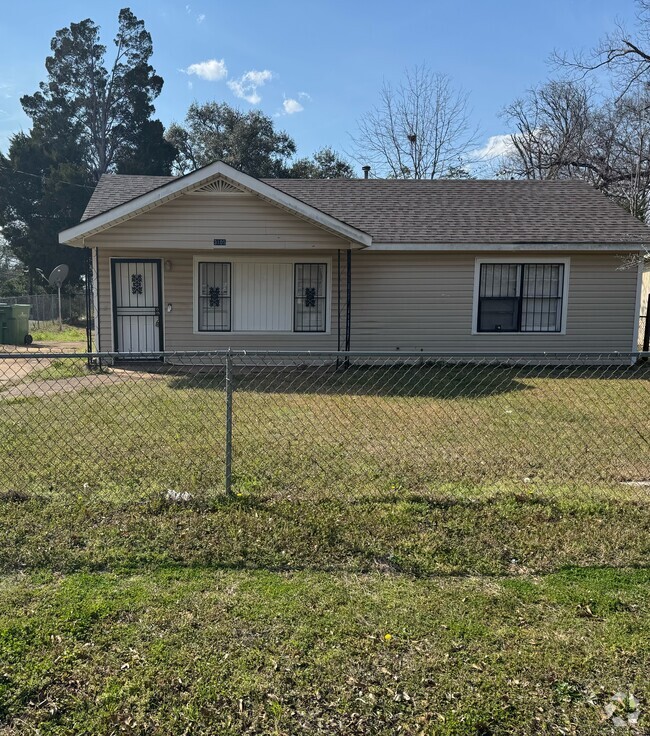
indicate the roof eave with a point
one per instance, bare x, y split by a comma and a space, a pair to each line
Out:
509, 246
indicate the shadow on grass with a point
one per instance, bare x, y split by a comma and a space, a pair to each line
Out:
426, 379
406, 381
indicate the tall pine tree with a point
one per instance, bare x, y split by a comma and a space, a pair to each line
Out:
108, 109
87, 118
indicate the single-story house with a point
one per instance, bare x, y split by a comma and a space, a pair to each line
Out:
219, 259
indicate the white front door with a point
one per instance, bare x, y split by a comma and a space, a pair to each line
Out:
137, 318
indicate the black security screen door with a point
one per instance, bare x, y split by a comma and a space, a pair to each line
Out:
137, 296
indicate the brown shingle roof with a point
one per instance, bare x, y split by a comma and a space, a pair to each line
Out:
442, 211
115, 189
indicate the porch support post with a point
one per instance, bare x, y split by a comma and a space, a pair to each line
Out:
89, 302
646, 330
348, 284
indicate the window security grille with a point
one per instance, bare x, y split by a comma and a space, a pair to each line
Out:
525, 297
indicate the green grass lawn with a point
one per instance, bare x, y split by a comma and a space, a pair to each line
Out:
405, 552
50, 332
202, 650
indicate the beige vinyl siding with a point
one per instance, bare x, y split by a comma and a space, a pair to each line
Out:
424, 301
193, 221
408, 301
645, 288
400, 300
178, 291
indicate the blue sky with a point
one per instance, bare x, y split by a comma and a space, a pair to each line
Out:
317, 66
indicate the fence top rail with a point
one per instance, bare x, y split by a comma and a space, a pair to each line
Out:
331, 354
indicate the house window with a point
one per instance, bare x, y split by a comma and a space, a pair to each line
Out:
309, 298
214, 297
520, 297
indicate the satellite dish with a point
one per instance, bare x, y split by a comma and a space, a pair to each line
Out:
58, 276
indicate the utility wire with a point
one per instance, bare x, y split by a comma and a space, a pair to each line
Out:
38, 176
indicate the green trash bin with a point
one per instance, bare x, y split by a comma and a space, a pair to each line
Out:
16, 325
5, 312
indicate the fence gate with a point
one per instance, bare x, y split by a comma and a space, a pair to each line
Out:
137, 296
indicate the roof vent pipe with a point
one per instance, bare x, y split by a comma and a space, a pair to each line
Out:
366, 171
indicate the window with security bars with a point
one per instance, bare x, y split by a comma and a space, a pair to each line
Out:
310, 300
214, 297
521, 297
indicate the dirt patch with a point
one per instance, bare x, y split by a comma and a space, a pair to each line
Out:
49, 346
13, 370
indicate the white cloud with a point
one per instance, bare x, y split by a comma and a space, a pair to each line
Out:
292, 106
212, 70
496, 146
200, 18
188, 9
246, 86
304, 96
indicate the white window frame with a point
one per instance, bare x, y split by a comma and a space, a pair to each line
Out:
234, 260
566, 262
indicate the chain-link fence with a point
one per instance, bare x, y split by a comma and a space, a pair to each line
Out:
306, 426
45, 307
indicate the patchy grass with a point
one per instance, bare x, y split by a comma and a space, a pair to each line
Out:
456, 432
59, 368
408, 535
405, 552
204, 651
52, 333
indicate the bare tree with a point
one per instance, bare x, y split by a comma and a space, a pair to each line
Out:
419, 130
562, 132
553, 127
625, 54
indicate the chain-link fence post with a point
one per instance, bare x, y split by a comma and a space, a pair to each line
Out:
229, 390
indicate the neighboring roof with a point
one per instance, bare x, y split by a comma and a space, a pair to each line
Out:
448, 212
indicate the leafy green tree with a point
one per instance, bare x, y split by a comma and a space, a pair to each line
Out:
325, 164
13, 280
246, 140
147, 152
107, 109
43, 189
